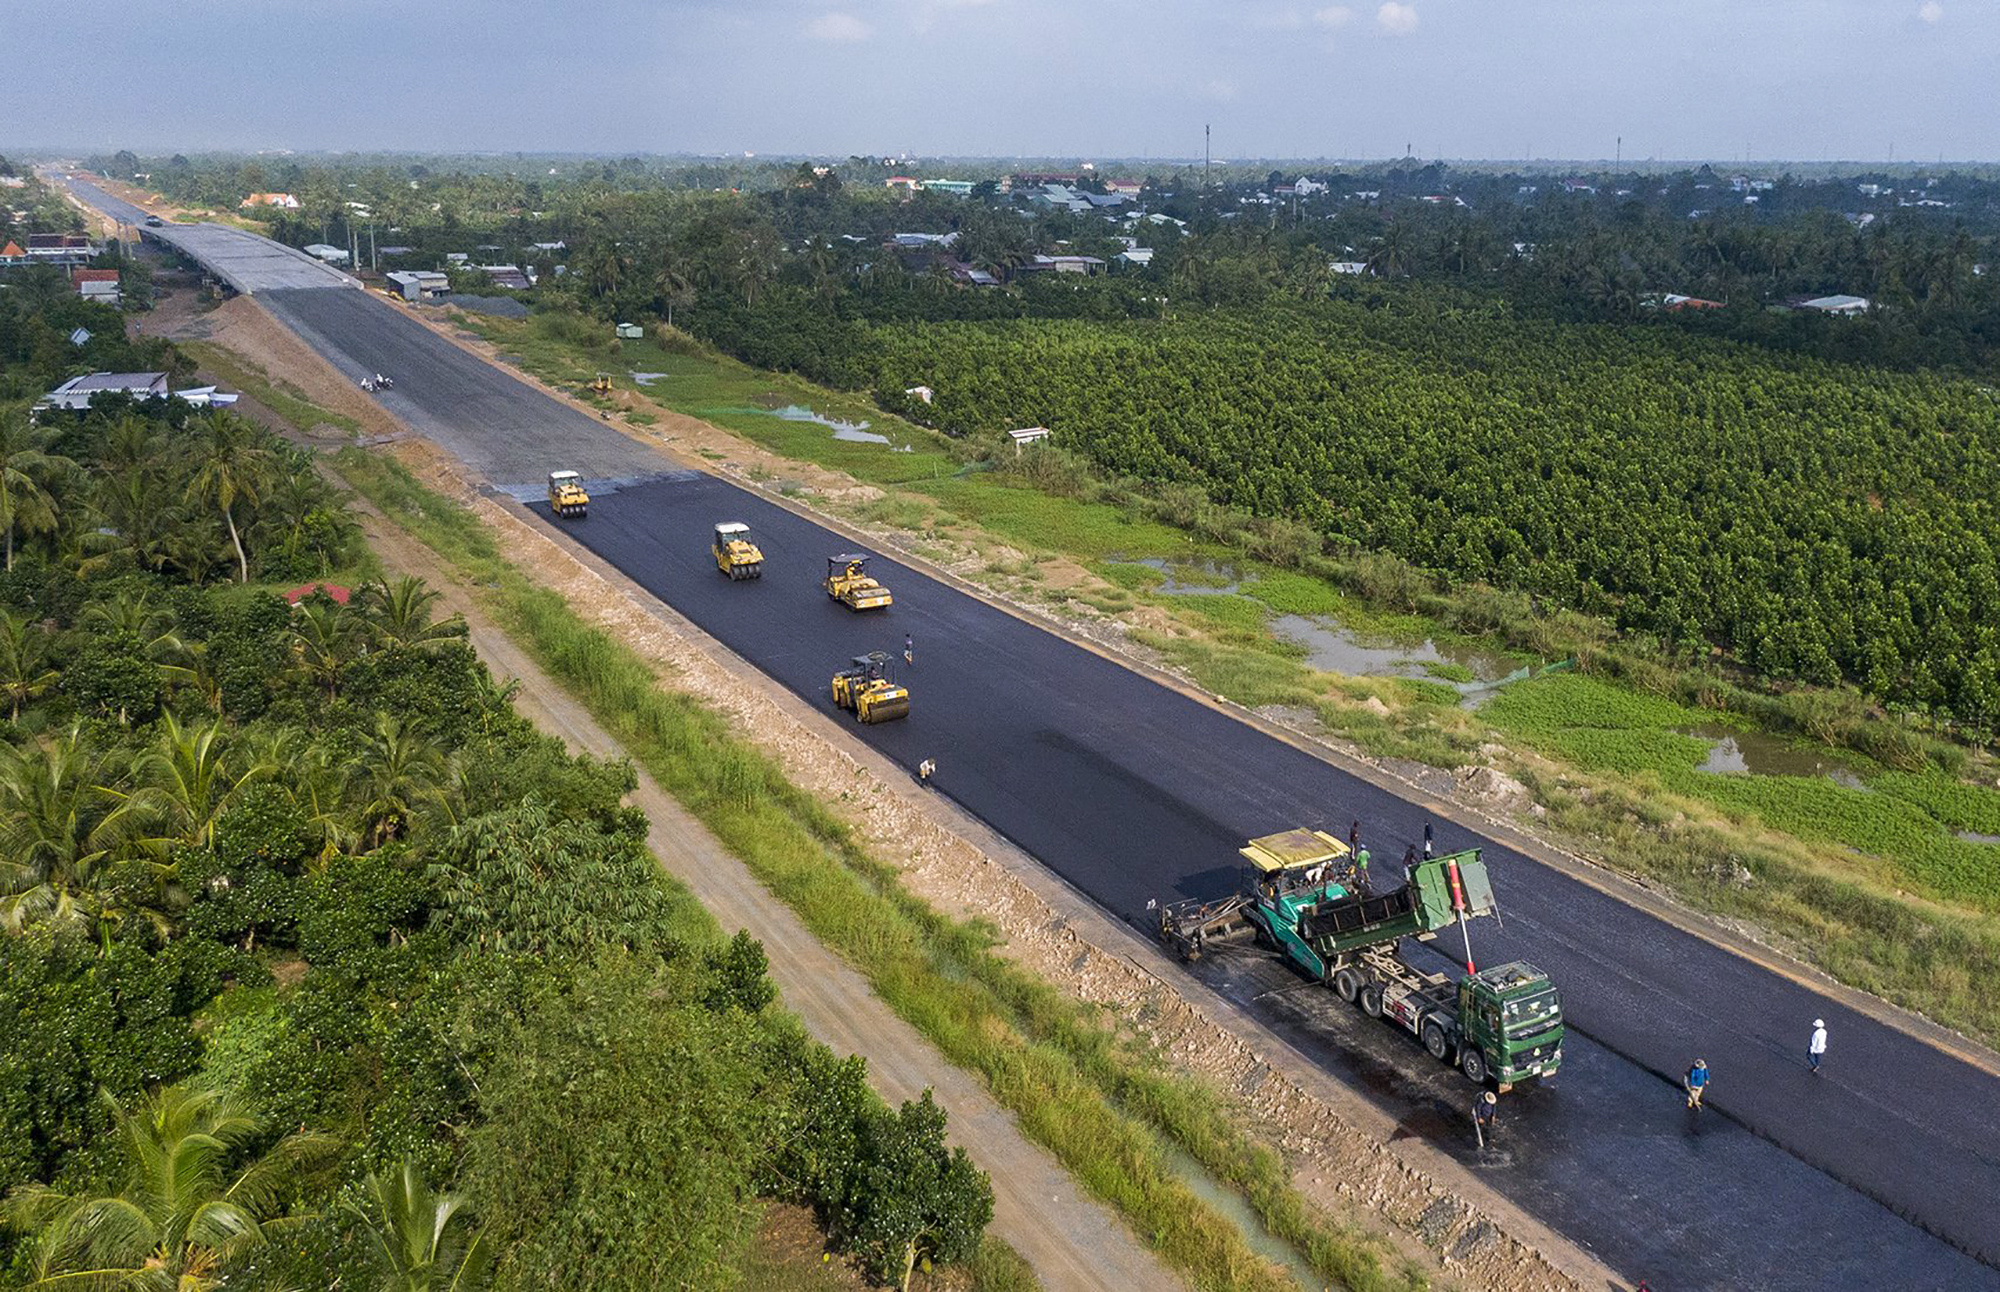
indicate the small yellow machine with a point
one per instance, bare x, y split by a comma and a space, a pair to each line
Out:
736, 553
566, 494
866, 687
849, 583
601, 384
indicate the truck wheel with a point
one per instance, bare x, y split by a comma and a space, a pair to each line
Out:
1436, 1042
1371, 1001
1473, 1064
1346, 984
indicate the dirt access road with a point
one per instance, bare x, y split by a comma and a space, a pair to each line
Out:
1072, 1240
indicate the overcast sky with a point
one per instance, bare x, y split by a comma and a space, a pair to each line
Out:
1830, 79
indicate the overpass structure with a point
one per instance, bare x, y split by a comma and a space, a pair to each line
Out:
240, 260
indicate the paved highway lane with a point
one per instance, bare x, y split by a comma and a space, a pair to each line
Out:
1131, 791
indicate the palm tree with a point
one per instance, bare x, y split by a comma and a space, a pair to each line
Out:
420, 1240
184, 1212
231, 467
400, 613
325, 635
672, 285
27, 470
187, 781
24, 659
398, 770
62, 818
1390, 255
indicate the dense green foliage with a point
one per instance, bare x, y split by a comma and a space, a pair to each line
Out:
270, 867
1817, 521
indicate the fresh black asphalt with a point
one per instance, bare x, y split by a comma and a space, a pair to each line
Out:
1883, 1172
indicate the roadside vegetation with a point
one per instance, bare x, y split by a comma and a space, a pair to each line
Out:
1106, 1108
1882, 881
319, 966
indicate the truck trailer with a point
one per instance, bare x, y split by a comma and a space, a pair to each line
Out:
1306, 901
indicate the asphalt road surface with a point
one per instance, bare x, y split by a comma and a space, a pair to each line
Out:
246, 262
1882, 1172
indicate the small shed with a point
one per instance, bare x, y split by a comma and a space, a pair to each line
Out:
420, 284
631, 332
1027, 435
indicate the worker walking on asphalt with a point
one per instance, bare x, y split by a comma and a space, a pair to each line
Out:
1484, 1109
925, 770
1696, 1083
1816, 1046
909, 651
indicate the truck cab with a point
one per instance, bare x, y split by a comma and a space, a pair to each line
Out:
1513, 1014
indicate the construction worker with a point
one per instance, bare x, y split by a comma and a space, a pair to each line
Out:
1696, 1083
909, 651
1361, 870
1816, 1045
925, 770
1484, 1109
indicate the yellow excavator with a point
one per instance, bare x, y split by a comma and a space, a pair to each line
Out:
849, 583
601, 384
736, 553
567, 496
866, 687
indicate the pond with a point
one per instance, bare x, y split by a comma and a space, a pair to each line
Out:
852, 432
1756, 753
1198, 578
1339, 649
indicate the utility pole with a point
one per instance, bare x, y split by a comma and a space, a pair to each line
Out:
1619, 156
1204, 155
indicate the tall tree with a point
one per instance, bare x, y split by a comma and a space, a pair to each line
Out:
231, 468
27, 472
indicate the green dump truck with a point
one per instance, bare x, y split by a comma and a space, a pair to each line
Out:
1501, 1025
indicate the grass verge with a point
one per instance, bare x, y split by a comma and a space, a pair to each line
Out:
1101, 1106
1880, 889
280, 397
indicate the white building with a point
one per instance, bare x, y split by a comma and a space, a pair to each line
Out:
420, 284
76, 393
1837, 304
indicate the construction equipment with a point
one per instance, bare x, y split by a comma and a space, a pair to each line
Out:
567, 496
866, 687
736, 553
1503, 1024
848, 582
601, 384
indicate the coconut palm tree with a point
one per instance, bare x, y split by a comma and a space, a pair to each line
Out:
400, 614
188, 780
27, 474
420, 1237
230, 468
62, 819
397, 773
325, 636
24, 662
186, 1209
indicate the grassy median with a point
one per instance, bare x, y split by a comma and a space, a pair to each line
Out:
1102, 1107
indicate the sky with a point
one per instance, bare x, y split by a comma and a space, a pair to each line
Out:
1911, 80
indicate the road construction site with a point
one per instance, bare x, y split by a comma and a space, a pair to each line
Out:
1135, 792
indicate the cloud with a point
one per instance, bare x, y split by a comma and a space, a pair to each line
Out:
1336, 16
1219, 91
1931, 11
840, 28
1396, 19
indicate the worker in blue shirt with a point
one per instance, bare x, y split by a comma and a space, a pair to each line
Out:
1696, 1083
